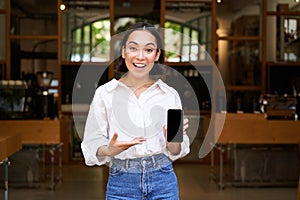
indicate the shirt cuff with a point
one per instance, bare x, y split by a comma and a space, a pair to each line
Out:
185, 149
91, 158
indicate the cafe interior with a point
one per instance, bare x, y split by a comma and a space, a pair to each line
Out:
236, 66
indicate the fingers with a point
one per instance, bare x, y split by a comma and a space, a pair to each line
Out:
185, 120
138, 140
114, 138
126, 145
135, 140
115, 147
165, 131
185, 124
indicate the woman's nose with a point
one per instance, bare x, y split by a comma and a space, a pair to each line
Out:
140, 53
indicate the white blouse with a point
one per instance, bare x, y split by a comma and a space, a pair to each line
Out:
116, 109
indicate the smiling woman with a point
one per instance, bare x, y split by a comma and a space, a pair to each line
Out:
126, 124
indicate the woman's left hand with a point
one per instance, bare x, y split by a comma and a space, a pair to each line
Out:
174, 147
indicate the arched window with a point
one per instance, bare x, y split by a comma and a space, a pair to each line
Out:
183, 42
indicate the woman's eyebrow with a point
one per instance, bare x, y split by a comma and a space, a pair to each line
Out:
132, 42
148, 44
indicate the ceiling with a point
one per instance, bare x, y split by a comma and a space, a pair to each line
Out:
34, 9
37, 8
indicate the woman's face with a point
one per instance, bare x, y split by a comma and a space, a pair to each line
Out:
140, 53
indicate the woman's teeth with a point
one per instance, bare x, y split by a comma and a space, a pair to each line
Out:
139, 65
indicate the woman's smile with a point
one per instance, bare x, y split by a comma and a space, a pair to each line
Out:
139, 65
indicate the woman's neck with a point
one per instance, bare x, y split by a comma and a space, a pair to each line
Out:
135, 82
138, 86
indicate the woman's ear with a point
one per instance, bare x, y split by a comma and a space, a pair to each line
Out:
157, 54
123, 52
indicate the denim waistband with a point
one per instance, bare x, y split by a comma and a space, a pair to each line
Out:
143, 162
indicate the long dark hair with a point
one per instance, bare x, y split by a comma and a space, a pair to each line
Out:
157, 68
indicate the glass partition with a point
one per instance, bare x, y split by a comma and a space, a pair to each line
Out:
282, 6
86, 26
283, 31
33, 38
2, 4
239, 54
140, 10
189, 24
86, 31
242, 63
239, 18
33, 18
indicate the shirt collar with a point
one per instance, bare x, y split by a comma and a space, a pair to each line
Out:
111, 85
162, 85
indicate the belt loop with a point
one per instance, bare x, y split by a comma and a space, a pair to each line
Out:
127, 163
110, 162
154, 161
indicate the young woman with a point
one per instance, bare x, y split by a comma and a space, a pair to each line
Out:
126, 123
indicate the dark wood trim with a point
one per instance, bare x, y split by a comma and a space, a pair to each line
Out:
264, 46
7, 32
214, 30
111, 72
283, 13
39, 55
59, 52
190, 1
68, 63
188, 64
162, 14
243, 88
240, 38
295, 64
34, 37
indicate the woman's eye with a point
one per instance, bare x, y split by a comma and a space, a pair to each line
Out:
132, 49
149, 50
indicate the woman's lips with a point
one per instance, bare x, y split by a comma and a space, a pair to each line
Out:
139, 65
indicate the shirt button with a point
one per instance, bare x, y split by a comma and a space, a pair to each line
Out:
144, 161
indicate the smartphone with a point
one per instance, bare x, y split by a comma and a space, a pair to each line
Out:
175, 125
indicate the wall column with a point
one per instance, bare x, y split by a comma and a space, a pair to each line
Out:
223, 52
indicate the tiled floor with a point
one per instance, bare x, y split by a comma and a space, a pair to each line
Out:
86, 183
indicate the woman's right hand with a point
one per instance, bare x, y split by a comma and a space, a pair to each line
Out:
115, 147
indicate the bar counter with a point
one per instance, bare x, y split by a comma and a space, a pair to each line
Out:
255, 129
44, 134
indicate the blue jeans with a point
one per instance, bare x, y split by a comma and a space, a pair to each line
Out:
146, 178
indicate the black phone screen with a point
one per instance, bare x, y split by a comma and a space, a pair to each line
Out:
175, 125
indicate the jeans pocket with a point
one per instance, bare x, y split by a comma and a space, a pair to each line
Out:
116, 170
166, 168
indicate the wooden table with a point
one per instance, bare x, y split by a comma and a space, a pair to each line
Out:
33, 131
255, 129
9, 144
39, 132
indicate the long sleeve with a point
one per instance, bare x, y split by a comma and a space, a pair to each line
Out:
96, 132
